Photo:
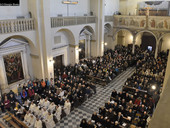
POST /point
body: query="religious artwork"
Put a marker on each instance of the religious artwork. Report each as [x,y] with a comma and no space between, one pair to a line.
[165,24]
[142,23]
[153,23]
[13,67]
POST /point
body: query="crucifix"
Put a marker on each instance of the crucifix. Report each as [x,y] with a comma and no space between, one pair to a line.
[147,10]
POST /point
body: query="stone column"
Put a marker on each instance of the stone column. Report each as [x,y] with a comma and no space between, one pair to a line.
[97,7]
[134,42]
[161,116]
[24,64]
[157,47]
[88,46]
[3,79]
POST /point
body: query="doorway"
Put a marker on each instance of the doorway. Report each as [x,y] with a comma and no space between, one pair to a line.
[58,63]
[82,49]
[148,42]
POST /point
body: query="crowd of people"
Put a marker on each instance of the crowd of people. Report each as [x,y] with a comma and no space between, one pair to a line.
[45,102]
[134,105]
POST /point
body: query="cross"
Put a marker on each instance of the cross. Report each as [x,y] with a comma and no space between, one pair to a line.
[147,10]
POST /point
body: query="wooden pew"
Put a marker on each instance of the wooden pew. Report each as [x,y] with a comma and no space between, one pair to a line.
[103,81]
[1,125]
[19,122]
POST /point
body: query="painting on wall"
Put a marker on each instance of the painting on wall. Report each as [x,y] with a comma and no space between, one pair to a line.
[13,67]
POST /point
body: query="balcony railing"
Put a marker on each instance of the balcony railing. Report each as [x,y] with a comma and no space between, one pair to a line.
[142,22]
[67,21]
[16,25]
[108,18]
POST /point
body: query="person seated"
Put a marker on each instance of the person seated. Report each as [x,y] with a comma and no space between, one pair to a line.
[95,117]
[26,105]
[1,105]
[119,118]
[130,104]
[90,125]
[129,116]
[36,98]
[31,93]
[38,123]
[83,123]
[24,95]
[19,89]
[7,104]
[12,100]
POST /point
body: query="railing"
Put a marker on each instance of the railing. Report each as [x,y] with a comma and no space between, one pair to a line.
[142,22]
[108,18]
[16,25]
[67,21]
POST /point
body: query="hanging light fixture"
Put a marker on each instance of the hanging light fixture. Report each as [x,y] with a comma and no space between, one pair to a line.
[70,2]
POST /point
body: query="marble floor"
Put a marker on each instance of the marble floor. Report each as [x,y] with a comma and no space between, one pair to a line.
[93,103]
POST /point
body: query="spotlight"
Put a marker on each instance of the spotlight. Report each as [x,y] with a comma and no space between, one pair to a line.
[105,44]
[153,87]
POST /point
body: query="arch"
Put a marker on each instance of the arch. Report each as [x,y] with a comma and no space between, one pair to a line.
[123,37]
[161,42]
[69,34]
[90,29]
[121,30]
[107,28]
[151,41]
[146,31]
[21,37]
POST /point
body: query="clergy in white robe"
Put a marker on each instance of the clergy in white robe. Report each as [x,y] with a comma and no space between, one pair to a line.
[49,122]
[46,103]
[67,107]
[31,121]
[58,112]
[37,110]
[44,113]
[41,103]
[32,107]
[51,107]
[38,123]
[27,118]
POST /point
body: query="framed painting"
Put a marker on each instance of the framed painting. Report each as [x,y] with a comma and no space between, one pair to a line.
[13,67]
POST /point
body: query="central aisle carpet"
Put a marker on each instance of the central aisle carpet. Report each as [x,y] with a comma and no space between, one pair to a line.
[93,103]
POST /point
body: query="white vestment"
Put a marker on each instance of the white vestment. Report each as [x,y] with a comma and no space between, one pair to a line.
[38,124]
[58,113]
[49,121]
[46,104]
[67,107]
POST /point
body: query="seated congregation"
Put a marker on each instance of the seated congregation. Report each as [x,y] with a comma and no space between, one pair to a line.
[42,103]
[135,104]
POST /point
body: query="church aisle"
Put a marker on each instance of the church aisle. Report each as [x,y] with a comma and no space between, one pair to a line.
[93,103]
